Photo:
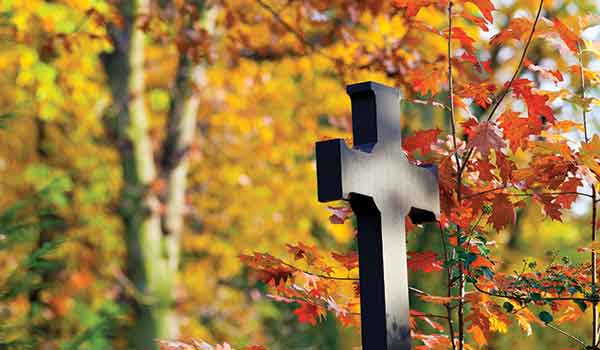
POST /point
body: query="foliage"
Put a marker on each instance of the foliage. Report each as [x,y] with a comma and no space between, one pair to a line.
[513,140]
[514,145]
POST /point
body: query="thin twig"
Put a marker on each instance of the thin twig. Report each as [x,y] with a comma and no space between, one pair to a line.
[292,30]
[449,286]
[519,66]
[509,85]
[451,88]
[320,275]
[522,300]
[352,279]
[572,337]
[595,338]
[557,193]
[461,273]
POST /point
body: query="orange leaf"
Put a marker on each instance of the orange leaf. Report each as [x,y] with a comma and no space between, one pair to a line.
[424,261]
[481,261]
[567,35]
[516,29]
[421,140]
[503,212]
[349,261]
[307,313]
[486,7]
[477,334]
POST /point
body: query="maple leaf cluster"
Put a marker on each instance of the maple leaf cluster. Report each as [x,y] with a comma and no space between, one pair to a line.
[507,148]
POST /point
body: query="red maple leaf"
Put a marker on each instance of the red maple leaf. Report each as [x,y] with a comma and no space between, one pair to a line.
[424,261]
[516,29]
[554,75]
[479,92]
[307,313]
[421,140]
[339,215]
[485,138]
[478,21]
[465,40]
[570,186]
[349,260]
[567,35]
[515,129]
[536,103]
[551,207]
[503,212]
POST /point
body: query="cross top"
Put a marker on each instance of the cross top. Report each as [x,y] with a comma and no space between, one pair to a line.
[385,128]
[382,187]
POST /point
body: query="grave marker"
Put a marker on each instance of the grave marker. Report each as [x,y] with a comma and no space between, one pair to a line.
[382,187]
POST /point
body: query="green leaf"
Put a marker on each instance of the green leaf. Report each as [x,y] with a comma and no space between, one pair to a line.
[546,317]
[582,305]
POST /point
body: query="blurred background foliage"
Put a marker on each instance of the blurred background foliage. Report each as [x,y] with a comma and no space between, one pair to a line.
[271,84]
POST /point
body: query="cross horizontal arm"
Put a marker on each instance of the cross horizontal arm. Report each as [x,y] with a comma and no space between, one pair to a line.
[329,170]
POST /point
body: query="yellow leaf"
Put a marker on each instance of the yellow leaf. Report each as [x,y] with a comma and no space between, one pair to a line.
[477,335]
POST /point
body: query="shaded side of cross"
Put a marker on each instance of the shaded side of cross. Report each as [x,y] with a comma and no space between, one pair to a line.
[382,187]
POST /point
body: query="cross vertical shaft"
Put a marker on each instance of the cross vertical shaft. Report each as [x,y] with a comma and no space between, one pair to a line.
[382,187]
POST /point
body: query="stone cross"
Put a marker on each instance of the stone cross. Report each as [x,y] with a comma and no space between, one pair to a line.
[382,187]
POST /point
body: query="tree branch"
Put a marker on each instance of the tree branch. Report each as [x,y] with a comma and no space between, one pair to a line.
[448,286]
[519,66]
[572,337]
[509,85]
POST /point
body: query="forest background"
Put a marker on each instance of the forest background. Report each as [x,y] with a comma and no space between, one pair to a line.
[148,148]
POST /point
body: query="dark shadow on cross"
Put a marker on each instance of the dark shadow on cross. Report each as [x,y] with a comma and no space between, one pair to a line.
[382,187]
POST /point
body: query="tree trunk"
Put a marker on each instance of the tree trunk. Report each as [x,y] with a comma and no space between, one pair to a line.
[153,242]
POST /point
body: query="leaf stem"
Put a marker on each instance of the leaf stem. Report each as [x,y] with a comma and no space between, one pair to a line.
[595,338]
[519,66]
[449,286]
[572,337]
[509,85]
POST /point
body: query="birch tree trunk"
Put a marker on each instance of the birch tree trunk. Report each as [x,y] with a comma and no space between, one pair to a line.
[153,242]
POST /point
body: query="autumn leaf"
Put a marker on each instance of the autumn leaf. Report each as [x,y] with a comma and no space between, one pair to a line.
[569,188]
[436,299]
[477,334]
[307,313]
[589,155]
[503,212]
[554,75]
[429,78]
[481,261]
[422,140]
[339,215]
[485,138]
[423,316]
[424,261]
[592,247]
[567,35]
[465,40]
[349,260]
[482,23]
[268,268]
[517,29]
[486,7]
[480,93]
[536,103]
[413,6]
